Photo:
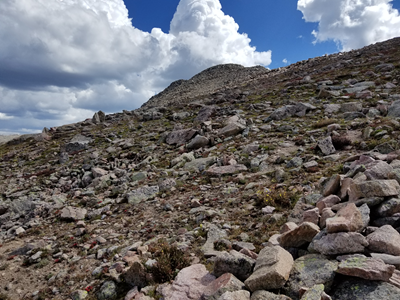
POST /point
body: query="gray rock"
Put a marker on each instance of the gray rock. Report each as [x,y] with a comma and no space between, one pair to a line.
[295,162]
[136,275]
[214,234]
[326,146]
[394,109]
[388,259]
[351,107]
[384,67]
[78,143]
[142,194]
[99,117]
[272,269]
[198,142]
[231,129]
[166,184]
[385,240]
[373,188]
[388,208]
[70,213]
[338,243]
[378,170]
[108,291]
[180,137]
[205,114]
[236,263]
[79,295]
[226,170]
[360,289]
[199,164]
[308,271]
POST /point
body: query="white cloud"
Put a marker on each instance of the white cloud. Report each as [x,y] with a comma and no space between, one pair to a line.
[352,23]
[64,59]
[285,61]
[3,116]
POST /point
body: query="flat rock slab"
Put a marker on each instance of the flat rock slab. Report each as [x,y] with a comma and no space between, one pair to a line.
[225,170]
[180,137]
[272,269]
[339,243]
[365,267]
[299,236]
[308,271]
[190,283]
[225,283]
[142,194]
[373,188]
[361,289]
[385,239]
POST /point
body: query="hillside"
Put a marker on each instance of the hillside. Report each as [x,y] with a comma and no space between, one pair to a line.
[240,183]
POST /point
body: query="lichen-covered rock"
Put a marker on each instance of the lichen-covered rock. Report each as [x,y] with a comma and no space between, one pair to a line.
[360,289]
[308,271]
[365,267]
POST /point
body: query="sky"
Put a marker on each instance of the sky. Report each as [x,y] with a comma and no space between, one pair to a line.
[63,60]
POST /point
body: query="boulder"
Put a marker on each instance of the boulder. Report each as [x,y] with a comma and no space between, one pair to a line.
[308,271]
[338,243]
[231,129]
[373,188]
[385,239]
[142,194]
[198,142]
[180,137]
[361,289]
[394,109]
[236,263]
[225,283]
[299,236]
[347,219]
[364,267]
[272,269]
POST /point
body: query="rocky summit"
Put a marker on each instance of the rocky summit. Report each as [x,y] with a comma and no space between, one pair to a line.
[240,183]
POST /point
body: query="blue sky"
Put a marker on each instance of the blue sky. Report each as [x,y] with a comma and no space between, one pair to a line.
[63,60]
[270,24]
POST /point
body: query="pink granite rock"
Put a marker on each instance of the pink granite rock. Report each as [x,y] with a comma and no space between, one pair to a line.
[373,188]
[299,236]
[190,283]
[347,219]
[311,215]
[365,267]
[328,201]
[385,239]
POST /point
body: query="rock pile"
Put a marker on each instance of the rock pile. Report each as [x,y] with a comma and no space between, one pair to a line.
[280,184]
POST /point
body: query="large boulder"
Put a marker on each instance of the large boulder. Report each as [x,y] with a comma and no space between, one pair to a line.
[361,289]
[338,243]
[272,269]
[308,271]
[180,137]
[385,239]
[373,188]
[365,267]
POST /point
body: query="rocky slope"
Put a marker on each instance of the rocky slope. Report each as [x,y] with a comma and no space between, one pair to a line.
[241,183]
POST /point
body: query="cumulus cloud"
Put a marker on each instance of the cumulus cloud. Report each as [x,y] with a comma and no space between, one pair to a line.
[64,59]
[352,24]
